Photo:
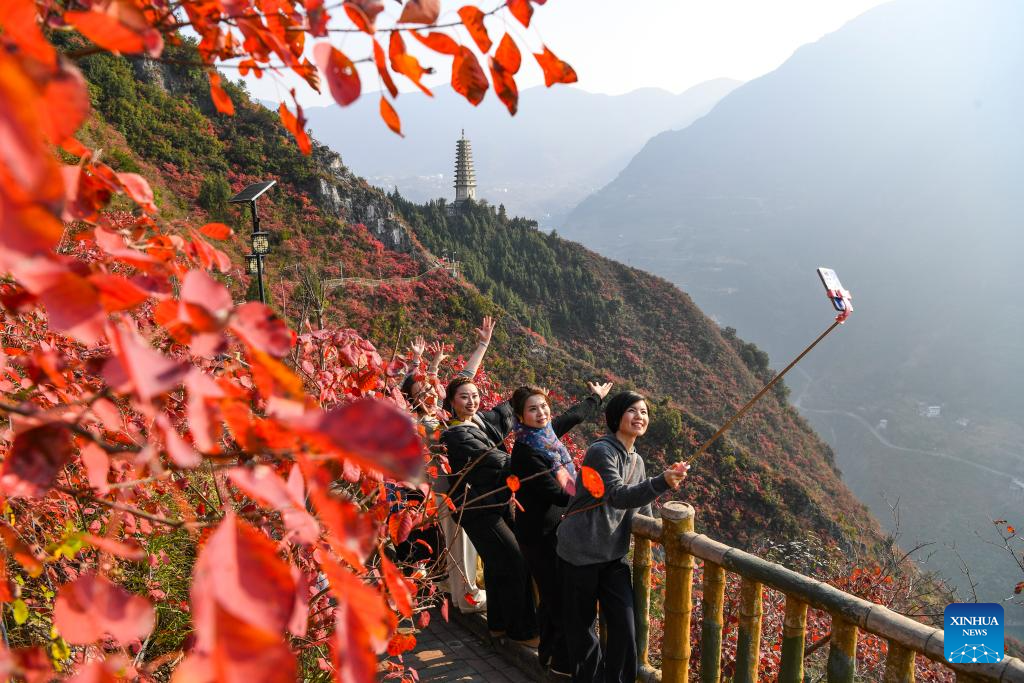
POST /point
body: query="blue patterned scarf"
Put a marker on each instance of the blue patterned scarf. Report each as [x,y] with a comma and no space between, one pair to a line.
[544,441]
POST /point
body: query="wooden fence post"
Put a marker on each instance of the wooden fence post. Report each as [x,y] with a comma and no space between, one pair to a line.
[676,518]
[899,664]
[842,651]
[794,633]
[748,640]
[642,598]
[713,623]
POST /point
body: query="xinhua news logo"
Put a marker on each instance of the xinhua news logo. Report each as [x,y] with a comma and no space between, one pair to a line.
[973,633]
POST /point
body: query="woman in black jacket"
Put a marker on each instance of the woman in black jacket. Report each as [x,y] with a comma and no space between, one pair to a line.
[479,464]
[547,482]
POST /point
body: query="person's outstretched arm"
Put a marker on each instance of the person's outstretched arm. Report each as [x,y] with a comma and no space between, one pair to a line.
[483,334]
[583,410]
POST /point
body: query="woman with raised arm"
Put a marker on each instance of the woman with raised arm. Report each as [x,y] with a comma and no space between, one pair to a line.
[479,463]
[593,540]
[547,478]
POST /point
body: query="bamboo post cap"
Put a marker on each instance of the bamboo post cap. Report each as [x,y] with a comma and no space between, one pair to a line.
[675,511]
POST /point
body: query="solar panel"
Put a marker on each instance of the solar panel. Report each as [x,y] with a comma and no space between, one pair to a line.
[252,192]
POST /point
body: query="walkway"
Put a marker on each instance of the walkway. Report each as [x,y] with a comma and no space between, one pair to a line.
[457,651]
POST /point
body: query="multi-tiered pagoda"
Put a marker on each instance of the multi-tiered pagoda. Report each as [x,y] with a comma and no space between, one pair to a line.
[465,176]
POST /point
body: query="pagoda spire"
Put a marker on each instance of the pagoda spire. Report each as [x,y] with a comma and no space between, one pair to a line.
[465,176]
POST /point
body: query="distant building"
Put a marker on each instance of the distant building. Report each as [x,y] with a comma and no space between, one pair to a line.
[963,422]
[883,424]
[465,176]
[933,411]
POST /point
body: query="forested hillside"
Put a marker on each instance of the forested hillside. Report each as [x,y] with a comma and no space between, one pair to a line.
[566,314]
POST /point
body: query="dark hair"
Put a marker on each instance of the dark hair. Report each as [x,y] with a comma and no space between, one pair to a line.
[449,391]
[406,387]
[520,396]
[618,406]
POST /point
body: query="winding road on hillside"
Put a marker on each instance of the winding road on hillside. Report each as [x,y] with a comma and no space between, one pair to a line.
[798,404]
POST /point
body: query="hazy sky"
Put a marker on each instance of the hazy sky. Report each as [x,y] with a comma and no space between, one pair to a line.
[617,45]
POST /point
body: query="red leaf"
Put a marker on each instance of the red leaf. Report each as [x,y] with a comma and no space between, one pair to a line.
[178,450]
[220,98]
[363,13]
[216,231]
[400,525]
[97,467]
[508,55]
[117,293]
[424,619]
[129,551]
[401,642]
[382,69]
[420,12]
[555,70]
[505,87]
[1010,530]
[521,10]
[1018,588]
[260,328]
[592,481]
[137,187]
[513,483]
[36,458]
[341,73]
[239,571]
[470,600]
[390,116]
[296,125]
[72,303]
[365,603]
[246,652]
[23,554]
[373,432]
[211,298]
[119,26]
[137,366]
[438,42]
[317,16]
[468,78]
[91,606]
[66,98]
[398,586]
[265,486]
[473,20]
[18,17]
[406,64]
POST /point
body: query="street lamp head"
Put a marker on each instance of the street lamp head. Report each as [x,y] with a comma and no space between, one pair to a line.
[252,264]
[261,242]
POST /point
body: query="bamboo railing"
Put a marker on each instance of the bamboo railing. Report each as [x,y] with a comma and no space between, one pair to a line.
[905,637]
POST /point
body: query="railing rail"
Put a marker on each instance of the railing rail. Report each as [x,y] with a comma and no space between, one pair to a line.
[905,637]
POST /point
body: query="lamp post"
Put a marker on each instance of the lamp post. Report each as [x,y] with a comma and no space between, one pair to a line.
[260,238]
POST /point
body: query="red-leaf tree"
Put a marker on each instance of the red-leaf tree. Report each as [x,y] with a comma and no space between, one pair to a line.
[172,461]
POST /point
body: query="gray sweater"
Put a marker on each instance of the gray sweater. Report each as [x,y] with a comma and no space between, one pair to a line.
[598,530]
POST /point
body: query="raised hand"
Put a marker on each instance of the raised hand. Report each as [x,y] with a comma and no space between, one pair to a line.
[675,474]
[436,350]
[600,389]
[418,346]
[484,332]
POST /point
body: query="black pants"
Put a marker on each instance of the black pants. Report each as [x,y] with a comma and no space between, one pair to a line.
[585,586]
[543,562]
[509,592]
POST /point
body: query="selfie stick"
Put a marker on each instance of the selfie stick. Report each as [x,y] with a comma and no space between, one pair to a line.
[841,300]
